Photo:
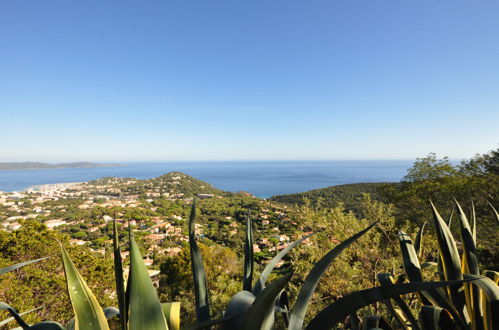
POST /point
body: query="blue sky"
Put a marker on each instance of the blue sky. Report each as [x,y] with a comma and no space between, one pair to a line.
[260,79]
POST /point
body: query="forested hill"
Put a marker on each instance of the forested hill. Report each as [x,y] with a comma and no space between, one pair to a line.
[168,184]
[348,194]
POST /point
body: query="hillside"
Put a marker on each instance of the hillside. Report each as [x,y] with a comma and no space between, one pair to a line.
[170,184]
[348,194]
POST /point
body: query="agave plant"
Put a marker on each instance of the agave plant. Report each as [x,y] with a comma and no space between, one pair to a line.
[255,306]
[139,306]
[473,304]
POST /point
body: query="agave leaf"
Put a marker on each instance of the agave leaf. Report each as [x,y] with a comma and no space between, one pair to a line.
[88,313]
[145,310]
[470,266]
[449,223]
[282,304]
[172,314]
[493,275]
[376,322]
[301,304]
[19,265]
[248,255]
[418,242]
[495,212]
[239,304]
[386,279]
[200,287]
[109,312]
[411,263]
[450,260]
[118,276]
[429,264]
[489,299]
[10,319]
[47,325]
[261,314]
[473,222]
[260,284]
[435,318]
[15,315]
[337,311]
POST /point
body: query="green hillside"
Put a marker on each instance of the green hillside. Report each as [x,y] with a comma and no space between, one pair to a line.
[350,195]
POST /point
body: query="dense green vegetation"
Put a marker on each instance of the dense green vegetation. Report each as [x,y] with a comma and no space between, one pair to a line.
[448,250]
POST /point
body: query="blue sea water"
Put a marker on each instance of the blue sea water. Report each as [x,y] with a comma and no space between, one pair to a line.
[260,178]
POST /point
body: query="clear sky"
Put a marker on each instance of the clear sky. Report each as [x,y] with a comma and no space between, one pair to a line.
[250,79]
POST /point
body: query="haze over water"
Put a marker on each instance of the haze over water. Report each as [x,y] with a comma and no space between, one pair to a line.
[260,178]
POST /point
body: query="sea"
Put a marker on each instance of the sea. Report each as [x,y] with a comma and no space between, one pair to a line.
[260,178]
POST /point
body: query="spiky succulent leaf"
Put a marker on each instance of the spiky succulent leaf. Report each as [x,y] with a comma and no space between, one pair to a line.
[470,266]
[297,315]
[47,325]
[372,322]
[261,314]
[489,293]
[451,262]
[260,284]
[419,240]
[145,310]
[118,276]
[337,311]
[248,255]
[404,314]
[172,314]
[10,319]
[495,212]
[239,304]
[435,318]
[19,265]
[88,313]
[14,313]
[200,287]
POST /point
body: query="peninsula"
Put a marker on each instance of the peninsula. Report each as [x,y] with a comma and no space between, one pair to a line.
[46,166]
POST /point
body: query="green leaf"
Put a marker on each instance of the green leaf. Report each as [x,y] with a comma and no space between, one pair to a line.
[19,265]
[343,307]
[145,308]
[495,212]
[451,262]
[418,242]
[171,311]
[473,222]
[200,287]
[10,319]
[118,276]
[489,300]
[386,279]
[109,312]
[435,318]
[261,314]
[470,266]
[15,315]
[301,304]
[88,313]
[260,284]
[372,322]
[248,255]
[47,325]
[239,304]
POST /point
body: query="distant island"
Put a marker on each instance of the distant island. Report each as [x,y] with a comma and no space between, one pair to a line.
[46,166]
